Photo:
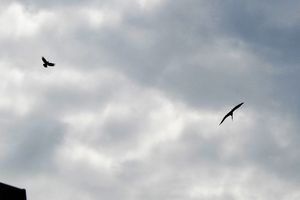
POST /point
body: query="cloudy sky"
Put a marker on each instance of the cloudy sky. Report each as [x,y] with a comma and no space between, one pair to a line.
[132,108]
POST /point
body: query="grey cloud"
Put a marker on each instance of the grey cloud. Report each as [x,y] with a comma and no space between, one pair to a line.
[37,4]
[158,49]
[205,55]
[269,27]
[30,143]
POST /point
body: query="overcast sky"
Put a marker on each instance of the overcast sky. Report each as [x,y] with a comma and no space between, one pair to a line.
[132,108]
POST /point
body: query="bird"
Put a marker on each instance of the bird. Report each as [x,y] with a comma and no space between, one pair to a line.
[231,112]
[47,63]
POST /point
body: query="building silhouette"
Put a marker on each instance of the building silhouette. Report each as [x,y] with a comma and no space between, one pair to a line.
[8,192]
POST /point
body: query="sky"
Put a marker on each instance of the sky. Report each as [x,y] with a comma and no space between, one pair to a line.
[132,108]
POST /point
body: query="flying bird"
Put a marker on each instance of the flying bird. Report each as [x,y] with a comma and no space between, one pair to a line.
[231,113]
[46,63]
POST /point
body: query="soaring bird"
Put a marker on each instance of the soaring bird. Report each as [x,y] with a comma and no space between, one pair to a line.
[231,112]
[47,63]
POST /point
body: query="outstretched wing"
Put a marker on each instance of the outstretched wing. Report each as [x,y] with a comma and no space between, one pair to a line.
[44,60]
[50,64]
[236,107]
[228,114]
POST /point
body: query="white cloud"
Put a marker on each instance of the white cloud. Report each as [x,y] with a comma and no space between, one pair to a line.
[150,4]
[18,22]
[102,17]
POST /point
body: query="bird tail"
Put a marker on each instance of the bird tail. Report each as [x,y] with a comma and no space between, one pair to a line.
[45,65]
[232,116]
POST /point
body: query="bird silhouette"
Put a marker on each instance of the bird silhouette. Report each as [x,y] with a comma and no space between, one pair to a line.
[47,63]
[231,113]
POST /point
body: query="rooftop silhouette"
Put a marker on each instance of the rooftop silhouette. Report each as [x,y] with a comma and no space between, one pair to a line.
[8,192]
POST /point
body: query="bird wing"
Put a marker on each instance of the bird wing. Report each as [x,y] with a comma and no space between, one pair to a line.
[237,106]
[50,64]
[44,60]
[228,114]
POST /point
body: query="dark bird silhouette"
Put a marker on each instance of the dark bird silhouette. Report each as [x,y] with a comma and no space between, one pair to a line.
[231,112]
[46,63]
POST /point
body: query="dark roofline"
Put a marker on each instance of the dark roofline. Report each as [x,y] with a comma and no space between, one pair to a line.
[6,185]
